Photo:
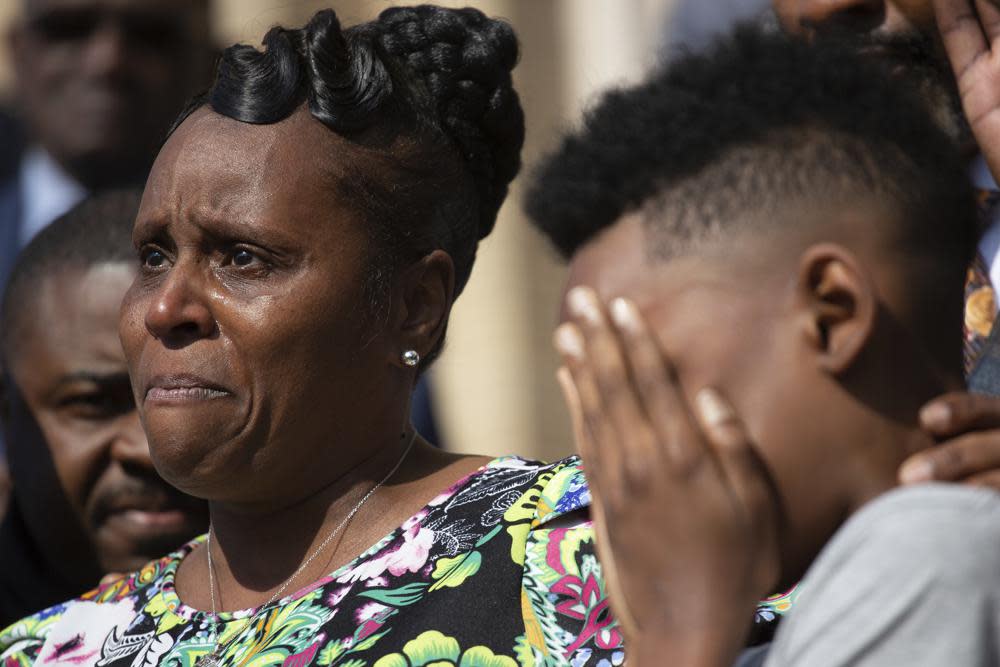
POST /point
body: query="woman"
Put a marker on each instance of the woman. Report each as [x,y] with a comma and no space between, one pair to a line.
[302,236]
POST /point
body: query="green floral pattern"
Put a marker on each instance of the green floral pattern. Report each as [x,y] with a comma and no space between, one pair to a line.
[484,576]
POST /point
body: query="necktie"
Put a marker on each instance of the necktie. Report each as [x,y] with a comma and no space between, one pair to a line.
[980,299]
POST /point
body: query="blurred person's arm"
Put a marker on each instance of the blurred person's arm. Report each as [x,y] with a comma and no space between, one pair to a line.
[970,31]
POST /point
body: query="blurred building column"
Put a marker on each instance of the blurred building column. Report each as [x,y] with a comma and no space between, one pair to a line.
[495,383]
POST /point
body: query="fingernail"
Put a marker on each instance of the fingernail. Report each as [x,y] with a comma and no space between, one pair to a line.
[935,415]
[583,303]
[713,408]
[568,341]
[625,314]
[916,471]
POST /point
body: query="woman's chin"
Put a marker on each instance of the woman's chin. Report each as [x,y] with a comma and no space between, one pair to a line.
[194,456]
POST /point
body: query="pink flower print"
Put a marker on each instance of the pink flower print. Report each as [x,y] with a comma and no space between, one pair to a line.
[370,611]
[585,602]
[409,556]
[377,582]
[370,618]
[414,521]
[412,554]
[302,659]
[78,637]
[335,596]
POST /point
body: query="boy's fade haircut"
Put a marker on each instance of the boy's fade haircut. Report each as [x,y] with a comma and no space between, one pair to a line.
[727,139]
[98,230]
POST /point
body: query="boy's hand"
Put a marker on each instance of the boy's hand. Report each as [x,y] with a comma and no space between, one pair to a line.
[970,30]
[685,515]
[968,426]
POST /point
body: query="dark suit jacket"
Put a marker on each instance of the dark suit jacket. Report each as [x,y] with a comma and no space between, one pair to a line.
[9,214]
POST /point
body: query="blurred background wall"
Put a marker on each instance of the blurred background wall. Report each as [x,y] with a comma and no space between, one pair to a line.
[494,386]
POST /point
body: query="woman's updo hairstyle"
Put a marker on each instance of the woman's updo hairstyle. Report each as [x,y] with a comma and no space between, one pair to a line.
[424,97]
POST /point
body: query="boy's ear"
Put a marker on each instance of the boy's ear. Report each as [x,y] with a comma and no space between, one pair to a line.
[840,305]
[426,291]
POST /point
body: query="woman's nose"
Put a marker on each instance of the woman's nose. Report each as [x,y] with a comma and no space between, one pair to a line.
[179,313]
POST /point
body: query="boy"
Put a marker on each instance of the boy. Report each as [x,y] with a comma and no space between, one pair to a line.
[772,213]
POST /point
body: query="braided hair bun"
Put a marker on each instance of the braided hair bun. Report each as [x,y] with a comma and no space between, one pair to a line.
[423,94]
[465,60]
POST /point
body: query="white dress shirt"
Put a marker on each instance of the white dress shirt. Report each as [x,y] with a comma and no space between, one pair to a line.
[46,193]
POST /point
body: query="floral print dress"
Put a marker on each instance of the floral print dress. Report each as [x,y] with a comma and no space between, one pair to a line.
[498,570]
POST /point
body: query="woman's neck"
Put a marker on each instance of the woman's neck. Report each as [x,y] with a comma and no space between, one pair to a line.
[255,553]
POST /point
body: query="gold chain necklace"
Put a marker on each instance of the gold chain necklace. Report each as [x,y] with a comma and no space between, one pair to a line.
[214,657]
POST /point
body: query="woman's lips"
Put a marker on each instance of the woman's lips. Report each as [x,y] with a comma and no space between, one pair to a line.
[183,394]
[182,388]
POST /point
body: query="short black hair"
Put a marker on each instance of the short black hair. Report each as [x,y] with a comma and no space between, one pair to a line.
[759,121]
[425,96]
[98,230]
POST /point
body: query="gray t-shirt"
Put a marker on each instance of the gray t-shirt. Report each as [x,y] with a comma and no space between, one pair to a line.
[912,579]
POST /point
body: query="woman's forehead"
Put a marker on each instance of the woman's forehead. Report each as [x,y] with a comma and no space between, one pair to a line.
[225,168]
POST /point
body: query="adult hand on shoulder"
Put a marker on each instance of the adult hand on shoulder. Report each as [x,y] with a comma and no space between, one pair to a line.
[685,515]
[970,30]
[968,428]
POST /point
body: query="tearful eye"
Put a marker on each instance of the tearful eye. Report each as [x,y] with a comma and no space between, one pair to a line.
[153,258]
[243,258]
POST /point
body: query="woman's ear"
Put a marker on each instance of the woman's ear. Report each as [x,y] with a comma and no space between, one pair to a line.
[839,304]
[426,290]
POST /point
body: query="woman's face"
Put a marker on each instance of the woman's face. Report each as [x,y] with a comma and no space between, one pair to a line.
[246,331]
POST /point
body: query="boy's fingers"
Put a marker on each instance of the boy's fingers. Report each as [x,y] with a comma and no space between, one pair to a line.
[609,567]
[672,434]
[960,412]
[606,358]
[747,478]
[572,399]
[586,398]
[745,473]
[593,461]
[595,469]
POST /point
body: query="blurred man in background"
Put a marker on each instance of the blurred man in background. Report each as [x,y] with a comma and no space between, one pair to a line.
[98,83]
[87,500]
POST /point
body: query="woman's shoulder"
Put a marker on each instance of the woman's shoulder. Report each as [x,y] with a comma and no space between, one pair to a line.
[546,490]
[71,627]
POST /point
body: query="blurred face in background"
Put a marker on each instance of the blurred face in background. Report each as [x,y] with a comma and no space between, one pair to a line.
[100,81]
[900,33]
[76,446]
